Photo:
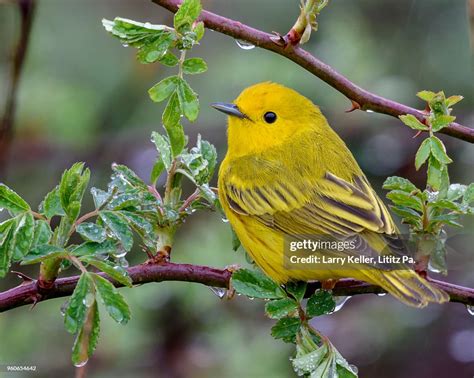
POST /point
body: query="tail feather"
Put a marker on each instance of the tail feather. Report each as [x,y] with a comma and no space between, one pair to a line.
[408,287]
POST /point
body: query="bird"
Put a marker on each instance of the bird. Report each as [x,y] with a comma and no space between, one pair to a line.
[288,175]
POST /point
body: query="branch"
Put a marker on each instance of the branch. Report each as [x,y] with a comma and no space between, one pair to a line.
[363,98]
[27,10]
[29,291]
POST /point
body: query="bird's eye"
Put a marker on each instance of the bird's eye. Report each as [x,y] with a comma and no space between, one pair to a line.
[270,117]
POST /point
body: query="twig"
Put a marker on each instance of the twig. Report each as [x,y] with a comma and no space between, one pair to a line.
[27,10]
[30,292]
[365,99]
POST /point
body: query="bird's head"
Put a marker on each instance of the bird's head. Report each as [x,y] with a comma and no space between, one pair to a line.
[266,115]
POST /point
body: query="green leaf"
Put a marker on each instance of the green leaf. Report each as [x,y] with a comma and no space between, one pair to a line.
[439,151]
[157,170]
[235,240]
[114,302]
[441,121]
[279,308]
[409,216]
[72,187]
[320,303]
[445,205]
[119,228]
[199,30]
[87,338]
[452,100]
[171,117]
[255,284]
[399,183]
[161,91]
[42,234]
[91,232]
[468,197]
[412,122]
[209,153]
[163,148]
[23,236]
[194,66]
[423,153]
[138,222]
[43,252]
[426,95]
[172,112]
[52,204]
[92,248]
[6,240]
[116,273]
[130,178]
[405,199]
[100,197]
[434,173]
[169,59]
[12,201]
[155,49]
[297,289]
[76,311]
[188,100]
[187,13]
[286,329]
[455,191]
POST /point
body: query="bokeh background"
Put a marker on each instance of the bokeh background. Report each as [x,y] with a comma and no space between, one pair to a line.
[83,97]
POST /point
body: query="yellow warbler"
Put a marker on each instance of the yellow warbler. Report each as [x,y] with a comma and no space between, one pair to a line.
[288,174]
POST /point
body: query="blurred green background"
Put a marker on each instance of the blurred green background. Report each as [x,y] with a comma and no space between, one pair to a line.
[84,97]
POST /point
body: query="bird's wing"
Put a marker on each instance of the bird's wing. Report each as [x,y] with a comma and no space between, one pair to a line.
[326,206]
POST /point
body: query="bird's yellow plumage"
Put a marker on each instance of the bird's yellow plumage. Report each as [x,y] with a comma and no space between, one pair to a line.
[288,173]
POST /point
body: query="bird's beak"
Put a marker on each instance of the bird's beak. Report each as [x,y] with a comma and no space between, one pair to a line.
[230,109]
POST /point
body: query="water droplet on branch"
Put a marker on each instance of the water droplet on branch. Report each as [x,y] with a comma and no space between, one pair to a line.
[244,45]
[219,291]
[470,309]
[340,302]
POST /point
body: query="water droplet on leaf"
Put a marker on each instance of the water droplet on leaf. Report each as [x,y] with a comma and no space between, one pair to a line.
[89,300]
[225,220]
[244,45]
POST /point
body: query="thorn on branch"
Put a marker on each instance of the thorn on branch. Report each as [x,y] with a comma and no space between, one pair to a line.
[25,279]
[354,106]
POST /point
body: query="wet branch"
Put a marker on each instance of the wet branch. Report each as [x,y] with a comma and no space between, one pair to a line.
[27,11]
[361,98]
[29,291]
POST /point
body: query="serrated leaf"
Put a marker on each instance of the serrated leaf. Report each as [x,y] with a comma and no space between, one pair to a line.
[401,198]
[413,122]
[91,232]
[23,236]
[161,91]
[320,303]
[155,49]
[468,197]
[119,228]
[426,95]
[114,302]
[445,204]
[42,233]
[255,284]
[439,151]
[11,201]
[129,177]
[174,129]
[100,197]
[169,59]
[156,171]
[43,252]
[187,13]
[434,173]
[279,308]
[163,148]
[286,329]
[297,289]
[52,204]
[76,310]
[73,184]
[452,100]
[138,222]
[188,100]
[116,272]
[199,30]
[455,191]
[194,66]
[409,215]
[6,239]
[441,121]
[87,338]
[399,183]
[307,363]
[92,248]
[423,153]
